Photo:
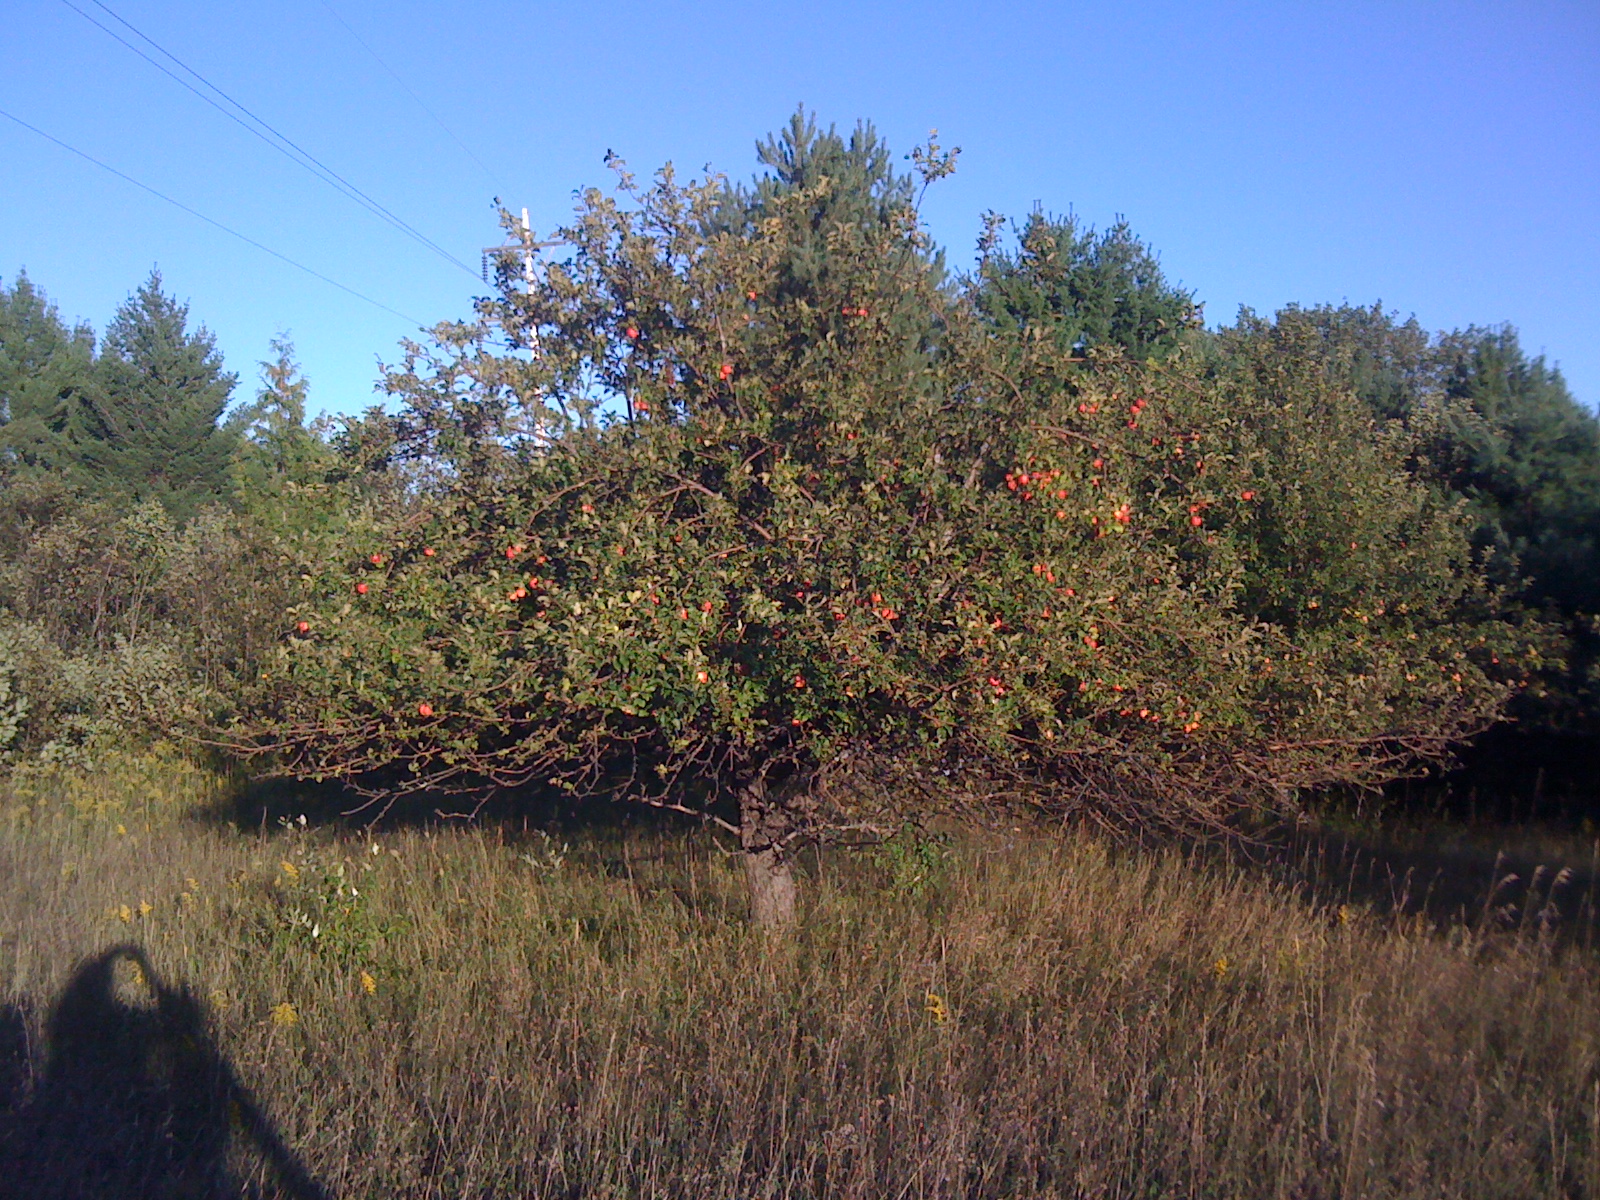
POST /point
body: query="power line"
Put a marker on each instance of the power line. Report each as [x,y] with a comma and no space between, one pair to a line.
[208,220]
[283,144]
[406,87]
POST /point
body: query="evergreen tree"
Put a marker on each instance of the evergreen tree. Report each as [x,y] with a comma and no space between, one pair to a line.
[1085,289]
[275,443]
[152,429]
[280,459]
[45,375]
[847,190]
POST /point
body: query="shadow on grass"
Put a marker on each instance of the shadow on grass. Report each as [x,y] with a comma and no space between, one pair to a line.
[1482,882]
[515,815]
[133,1100]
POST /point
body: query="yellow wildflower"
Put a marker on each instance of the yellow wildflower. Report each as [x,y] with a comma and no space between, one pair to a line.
[145,908]
[284,1014]
[289,869]
[1220,967]
[124,912]
[369,985]
[936,1007]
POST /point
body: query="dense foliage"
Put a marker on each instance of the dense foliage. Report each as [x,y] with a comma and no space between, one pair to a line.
[740,503]
[1500,431]
[1083,290]
[845,523]
[138,586]
[142,420]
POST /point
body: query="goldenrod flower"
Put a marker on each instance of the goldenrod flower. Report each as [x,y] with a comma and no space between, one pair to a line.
[1220,967]
[936,1007]
[284,1014]
[289,869]
[369,985]
[145,908]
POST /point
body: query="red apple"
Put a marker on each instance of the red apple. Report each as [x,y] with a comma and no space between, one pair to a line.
[361,589]
[424,710]
[303,627]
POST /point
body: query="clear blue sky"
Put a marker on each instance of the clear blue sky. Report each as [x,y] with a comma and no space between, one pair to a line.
[1443,158]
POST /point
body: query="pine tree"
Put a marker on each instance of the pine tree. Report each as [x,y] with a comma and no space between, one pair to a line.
[152,431]
[1084,289]
[850,190]
[46,373]
[277,453]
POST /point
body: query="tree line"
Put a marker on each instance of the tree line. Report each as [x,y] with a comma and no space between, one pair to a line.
[748,505]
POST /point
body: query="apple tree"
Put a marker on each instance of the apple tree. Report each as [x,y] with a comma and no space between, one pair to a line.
[807,551]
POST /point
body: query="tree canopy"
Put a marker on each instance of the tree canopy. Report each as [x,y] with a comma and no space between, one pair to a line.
[847,524]
[46,376]
[738,503]
[152,428]
[1497,430]
[1085,290]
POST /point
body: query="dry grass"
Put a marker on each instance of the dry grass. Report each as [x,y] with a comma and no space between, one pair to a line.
[1050,1017]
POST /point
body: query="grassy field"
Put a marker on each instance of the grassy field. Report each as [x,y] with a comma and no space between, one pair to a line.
[474,1011]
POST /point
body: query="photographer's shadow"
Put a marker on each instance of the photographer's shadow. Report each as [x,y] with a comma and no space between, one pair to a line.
[133,1100]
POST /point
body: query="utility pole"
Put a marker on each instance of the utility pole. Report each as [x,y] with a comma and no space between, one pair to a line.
[529,247]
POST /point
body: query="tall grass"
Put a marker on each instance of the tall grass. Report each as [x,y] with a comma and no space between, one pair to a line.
[464,1011]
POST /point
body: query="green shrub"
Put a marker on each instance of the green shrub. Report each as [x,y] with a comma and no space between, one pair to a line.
[118,626]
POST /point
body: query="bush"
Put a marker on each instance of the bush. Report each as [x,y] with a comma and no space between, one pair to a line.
[119,625]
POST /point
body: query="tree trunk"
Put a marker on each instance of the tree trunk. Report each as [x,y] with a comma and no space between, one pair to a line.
[764,827]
